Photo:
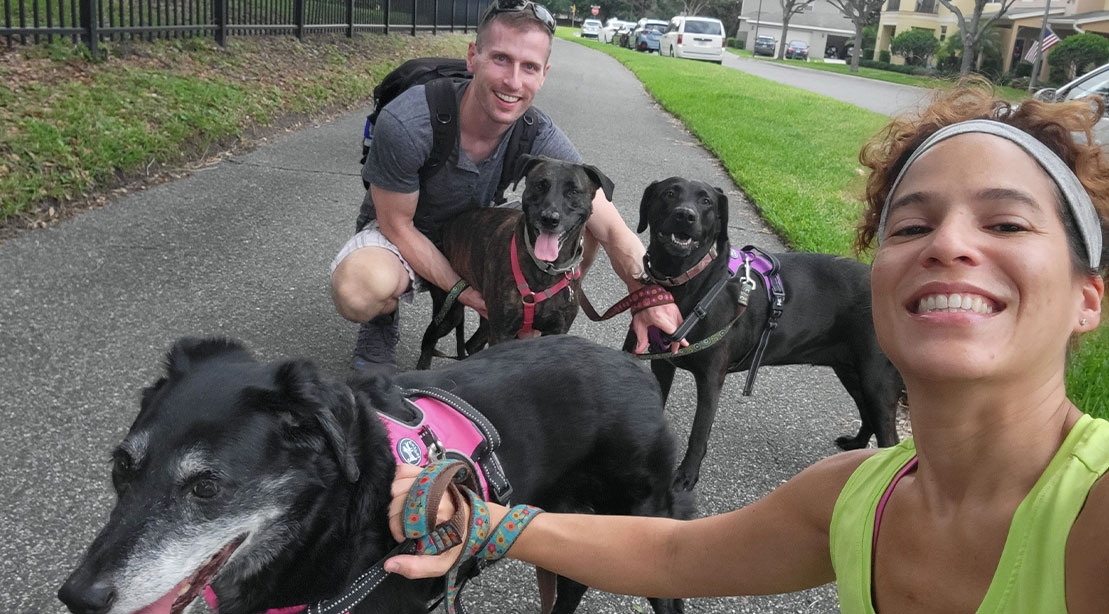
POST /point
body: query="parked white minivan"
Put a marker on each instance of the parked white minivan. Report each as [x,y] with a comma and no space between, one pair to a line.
[696,38]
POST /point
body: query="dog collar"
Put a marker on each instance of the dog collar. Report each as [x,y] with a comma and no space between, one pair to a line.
[684,277]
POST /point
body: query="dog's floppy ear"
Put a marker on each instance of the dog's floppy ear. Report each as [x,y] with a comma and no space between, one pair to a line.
[599,179]
[645,205]
[523,166]
[722,216]
[189,351]
[305,399]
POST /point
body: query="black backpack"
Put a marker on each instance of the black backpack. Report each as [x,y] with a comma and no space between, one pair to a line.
[439,76]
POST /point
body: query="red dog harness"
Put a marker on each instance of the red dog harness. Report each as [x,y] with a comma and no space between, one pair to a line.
[530,297]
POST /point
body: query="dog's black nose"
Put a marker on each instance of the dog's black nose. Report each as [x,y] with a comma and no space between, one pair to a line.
[81,598]
[684,215]
[550,218]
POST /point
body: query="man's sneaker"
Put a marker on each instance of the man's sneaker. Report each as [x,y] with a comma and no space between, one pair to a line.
[376,348]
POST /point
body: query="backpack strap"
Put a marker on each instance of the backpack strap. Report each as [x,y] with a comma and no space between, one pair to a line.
[442,104]
[521,141]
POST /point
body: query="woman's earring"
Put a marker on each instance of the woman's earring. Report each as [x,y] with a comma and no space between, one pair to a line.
[1082,322]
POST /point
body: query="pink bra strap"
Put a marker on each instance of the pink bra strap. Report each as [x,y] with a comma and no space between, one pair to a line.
[909,466]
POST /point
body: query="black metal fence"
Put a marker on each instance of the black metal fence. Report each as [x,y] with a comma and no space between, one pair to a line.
[92,21]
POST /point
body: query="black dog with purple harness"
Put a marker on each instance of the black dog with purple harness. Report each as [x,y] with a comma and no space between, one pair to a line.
[800,308]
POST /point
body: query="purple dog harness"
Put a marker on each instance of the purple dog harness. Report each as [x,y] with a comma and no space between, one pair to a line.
[748,262]
[445,427]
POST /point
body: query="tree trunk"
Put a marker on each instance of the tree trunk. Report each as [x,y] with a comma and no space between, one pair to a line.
[785,31]
[968,55]
[858,51]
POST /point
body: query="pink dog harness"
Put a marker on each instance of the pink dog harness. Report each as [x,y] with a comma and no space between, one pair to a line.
[443,427]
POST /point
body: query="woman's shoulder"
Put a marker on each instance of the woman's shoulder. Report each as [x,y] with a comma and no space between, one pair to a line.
[1088,553]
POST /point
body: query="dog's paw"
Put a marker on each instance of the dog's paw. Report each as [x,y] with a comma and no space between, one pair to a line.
[850,443]
[685,479]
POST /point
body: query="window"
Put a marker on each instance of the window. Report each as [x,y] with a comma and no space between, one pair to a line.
[926,6]
[894,5]
[943,33]
[703,27]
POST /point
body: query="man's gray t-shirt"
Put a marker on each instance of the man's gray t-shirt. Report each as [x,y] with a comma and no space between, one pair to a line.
[402,141]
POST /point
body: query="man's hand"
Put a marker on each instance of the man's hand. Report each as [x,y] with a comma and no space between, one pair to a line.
[666,318]
[472,298]
[415,566]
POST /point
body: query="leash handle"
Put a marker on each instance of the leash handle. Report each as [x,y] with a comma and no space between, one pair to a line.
[452,296]
[481,541]
[643,298]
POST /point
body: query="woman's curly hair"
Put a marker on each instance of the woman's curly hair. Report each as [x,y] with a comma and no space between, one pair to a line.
[1051,122]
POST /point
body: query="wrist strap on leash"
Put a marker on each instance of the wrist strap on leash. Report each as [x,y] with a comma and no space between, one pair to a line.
[448,302]
[643,298]
[469,525]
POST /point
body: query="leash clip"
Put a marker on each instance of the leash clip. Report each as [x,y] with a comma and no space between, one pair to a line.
[747,283]
[435,449]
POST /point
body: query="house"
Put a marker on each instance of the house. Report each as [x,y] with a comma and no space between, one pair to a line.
[821,25]
[1019,27]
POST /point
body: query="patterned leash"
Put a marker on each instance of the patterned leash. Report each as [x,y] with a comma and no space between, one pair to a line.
[481,541]
[646,296]
[448,302]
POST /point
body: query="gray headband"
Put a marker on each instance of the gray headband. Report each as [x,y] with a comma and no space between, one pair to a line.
[1075,195]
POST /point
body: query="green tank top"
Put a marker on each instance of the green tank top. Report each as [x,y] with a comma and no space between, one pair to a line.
[1030,575]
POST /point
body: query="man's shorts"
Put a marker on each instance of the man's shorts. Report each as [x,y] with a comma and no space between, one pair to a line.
[371,236]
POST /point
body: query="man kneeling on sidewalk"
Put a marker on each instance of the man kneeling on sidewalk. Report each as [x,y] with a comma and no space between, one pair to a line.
[394,255]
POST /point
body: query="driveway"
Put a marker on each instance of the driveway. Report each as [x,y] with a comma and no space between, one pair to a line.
[241,249]
[878,96]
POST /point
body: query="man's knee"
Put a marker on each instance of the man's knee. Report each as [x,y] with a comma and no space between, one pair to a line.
[367,283]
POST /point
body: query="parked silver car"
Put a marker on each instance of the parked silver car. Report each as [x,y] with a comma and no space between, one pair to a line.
[1093,83]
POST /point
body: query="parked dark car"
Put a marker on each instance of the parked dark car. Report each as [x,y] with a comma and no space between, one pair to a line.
[797,50]
[765,45]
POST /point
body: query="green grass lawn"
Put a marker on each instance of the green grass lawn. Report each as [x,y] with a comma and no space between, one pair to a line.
[796,156]
[68,127]
[1008,93]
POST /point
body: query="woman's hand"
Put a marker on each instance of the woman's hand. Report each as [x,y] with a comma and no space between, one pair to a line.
[415,566]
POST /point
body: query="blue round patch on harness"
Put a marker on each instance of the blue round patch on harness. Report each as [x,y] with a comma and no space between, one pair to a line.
[409,451]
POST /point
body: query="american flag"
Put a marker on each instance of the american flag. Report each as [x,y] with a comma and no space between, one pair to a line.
[1050,40]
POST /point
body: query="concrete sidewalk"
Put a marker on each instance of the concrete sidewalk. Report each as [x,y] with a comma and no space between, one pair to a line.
[241,249]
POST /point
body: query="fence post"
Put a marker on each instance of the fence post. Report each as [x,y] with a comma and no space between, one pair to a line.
[435,19]
[298,18]
[414,11]
[454,11]
[466,19]
[350,18]
[89,21]
[219,14]
[388,5]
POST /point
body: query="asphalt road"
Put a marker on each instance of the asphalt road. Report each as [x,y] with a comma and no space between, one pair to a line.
[878,96]
[241,248]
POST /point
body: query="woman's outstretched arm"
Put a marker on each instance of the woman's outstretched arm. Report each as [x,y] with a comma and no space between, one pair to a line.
[777,544]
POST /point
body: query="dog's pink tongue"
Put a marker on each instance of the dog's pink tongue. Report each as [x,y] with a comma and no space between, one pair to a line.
[546,247]
[165,604]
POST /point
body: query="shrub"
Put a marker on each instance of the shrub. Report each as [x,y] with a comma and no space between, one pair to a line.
[883,56]
[1078,55]
[916,46]
[1023,69]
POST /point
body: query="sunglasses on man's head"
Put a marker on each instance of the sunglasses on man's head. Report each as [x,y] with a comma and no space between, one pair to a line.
[514,6]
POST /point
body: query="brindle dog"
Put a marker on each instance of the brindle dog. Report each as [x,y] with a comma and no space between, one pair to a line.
[557,202]
[826,319]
